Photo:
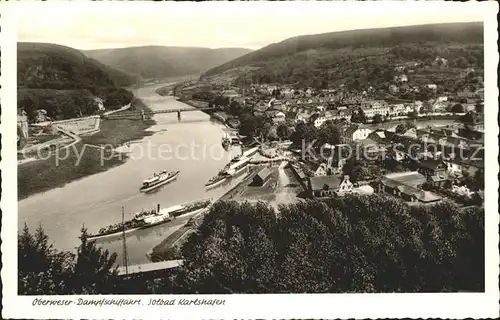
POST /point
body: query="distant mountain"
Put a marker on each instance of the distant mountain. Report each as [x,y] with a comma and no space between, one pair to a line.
[357,55]
[65,83]
[162,62]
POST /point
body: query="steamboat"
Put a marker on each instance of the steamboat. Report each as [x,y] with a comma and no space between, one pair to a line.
[238,167]
[217,180]
[159,180]
[148,219]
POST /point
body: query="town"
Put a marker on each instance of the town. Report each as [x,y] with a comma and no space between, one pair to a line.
[421,150]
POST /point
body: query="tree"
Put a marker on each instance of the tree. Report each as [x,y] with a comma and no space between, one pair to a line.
[479,107]
[377,118]
[304,133]
[252,126]
[469,118]
[358,116]
[329,133]
[426,107]
[43,270]
[336,245]
[457,108]
[283,131]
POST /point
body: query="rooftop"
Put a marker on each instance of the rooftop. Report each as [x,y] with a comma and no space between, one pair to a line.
[317,183]
[410,178]
[264,173]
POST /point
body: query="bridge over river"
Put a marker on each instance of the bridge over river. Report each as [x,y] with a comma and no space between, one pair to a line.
[144,114]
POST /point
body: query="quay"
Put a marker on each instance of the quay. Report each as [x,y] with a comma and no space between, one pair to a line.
[149,268]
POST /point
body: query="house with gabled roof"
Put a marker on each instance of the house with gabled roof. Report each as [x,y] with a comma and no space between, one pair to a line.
[407,186]
[328,186]
[353,133]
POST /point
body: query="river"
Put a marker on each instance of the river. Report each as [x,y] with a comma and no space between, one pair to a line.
[191,145]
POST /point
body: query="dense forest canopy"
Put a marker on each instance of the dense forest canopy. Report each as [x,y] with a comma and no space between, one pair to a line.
[361,57]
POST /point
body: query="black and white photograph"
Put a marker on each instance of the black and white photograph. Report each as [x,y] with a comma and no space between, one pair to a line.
[183,154]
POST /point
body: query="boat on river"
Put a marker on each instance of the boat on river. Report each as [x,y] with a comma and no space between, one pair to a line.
[217,180]
[159,180]
[250,152]
[236,168]
[191,207]
[245,154]
[148,219]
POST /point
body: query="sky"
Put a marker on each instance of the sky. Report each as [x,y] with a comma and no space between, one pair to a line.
[99,25]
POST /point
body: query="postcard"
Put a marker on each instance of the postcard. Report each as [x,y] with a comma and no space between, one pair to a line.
[228,160]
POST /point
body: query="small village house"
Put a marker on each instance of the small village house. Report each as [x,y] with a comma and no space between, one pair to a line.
[354,133]
[321,170]
[434,171]
[262,177]
[328,186]
[407,186]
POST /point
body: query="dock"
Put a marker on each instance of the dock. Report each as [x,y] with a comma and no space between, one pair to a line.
[148,268]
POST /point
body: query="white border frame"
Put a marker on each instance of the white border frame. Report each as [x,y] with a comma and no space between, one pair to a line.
[453,305]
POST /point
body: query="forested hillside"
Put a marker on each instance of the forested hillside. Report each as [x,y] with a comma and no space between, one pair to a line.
[361,57]
[161,62]
[64,82]
[354,244]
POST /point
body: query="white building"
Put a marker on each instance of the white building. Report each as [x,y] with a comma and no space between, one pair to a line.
[376,107]
[355,133]
[397,110]
[100,103]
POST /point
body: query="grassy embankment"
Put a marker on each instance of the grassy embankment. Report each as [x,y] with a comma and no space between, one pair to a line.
[43,175]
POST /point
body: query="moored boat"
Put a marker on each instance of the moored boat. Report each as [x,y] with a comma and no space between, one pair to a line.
[215,181]
[250,152]
[238,167]
[158,180]
[148,219]
[191,207]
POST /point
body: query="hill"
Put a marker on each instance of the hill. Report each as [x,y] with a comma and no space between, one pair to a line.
[64,82]
[162,62]
[362,56]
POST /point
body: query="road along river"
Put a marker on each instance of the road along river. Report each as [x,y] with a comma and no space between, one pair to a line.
[191,146]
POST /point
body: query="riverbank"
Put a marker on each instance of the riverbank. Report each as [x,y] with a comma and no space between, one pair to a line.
[79,161]
[177,238]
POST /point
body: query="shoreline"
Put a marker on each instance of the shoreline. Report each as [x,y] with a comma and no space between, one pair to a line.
[43,175]
[192,224]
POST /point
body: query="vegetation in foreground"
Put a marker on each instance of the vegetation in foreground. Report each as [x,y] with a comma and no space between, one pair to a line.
[45,270]
[355,244]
